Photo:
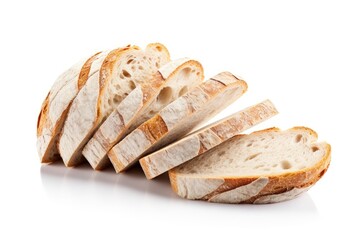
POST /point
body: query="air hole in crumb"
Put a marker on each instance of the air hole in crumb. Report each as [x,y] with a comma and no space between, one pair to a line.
[314,148]
[183,90]
[121,76]
[132,85]
[186,71]
[252,156]
[129,61]
[152,112]
[285,164]
[274,165]
[165,95]
[298,138]
[117,87]
[259,166]
[198,74]
[159,48]
[266,169]
[126,73]
[117,99]
[141,67]
[249,145]
[266,147]
[221,153]
[157,65]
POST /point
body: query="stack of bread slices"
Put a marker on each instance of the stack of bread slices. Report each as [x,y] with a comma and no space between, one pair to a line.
[132,105]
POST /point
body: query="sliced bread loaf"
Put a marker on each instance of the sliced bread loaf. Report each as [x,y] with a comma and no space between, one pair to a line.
[263,167]
[122,70]
[57,103]
[178,118]
[204,139]
[170,82]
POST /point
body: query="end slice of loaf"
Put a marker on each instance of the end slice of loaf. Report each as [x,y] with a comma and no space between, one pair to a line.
[121,72]
[170,82]
[56,106]
[267,166]
[204,139]
[177,119]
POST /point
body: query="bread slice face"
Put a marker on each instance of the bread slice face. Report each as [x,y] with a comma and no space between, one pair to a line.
[56,106]
[121,72]
[267,166]
[167,84]
[204,139]
[177,119]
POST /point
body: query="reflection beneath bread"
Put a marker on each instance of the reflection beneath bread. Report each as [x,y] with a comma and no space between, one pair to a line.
[84,182]
[84,185]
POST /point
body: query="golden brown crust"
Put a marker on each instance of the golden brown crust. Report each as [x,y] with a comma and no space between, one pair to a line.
[85,70]
[277,183]
[173,181]
[145,170]
[154,129]
[42,118]
[117,164]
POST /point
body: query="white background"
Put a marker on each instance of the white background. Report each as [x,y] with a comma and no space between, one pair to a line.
[303,55]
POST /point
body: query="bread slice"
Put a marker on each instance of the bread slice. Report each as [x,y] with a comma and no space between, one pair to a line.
[267,166]
[170,82]
[57,103]
[177,119]
[204,139]
[122,70]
